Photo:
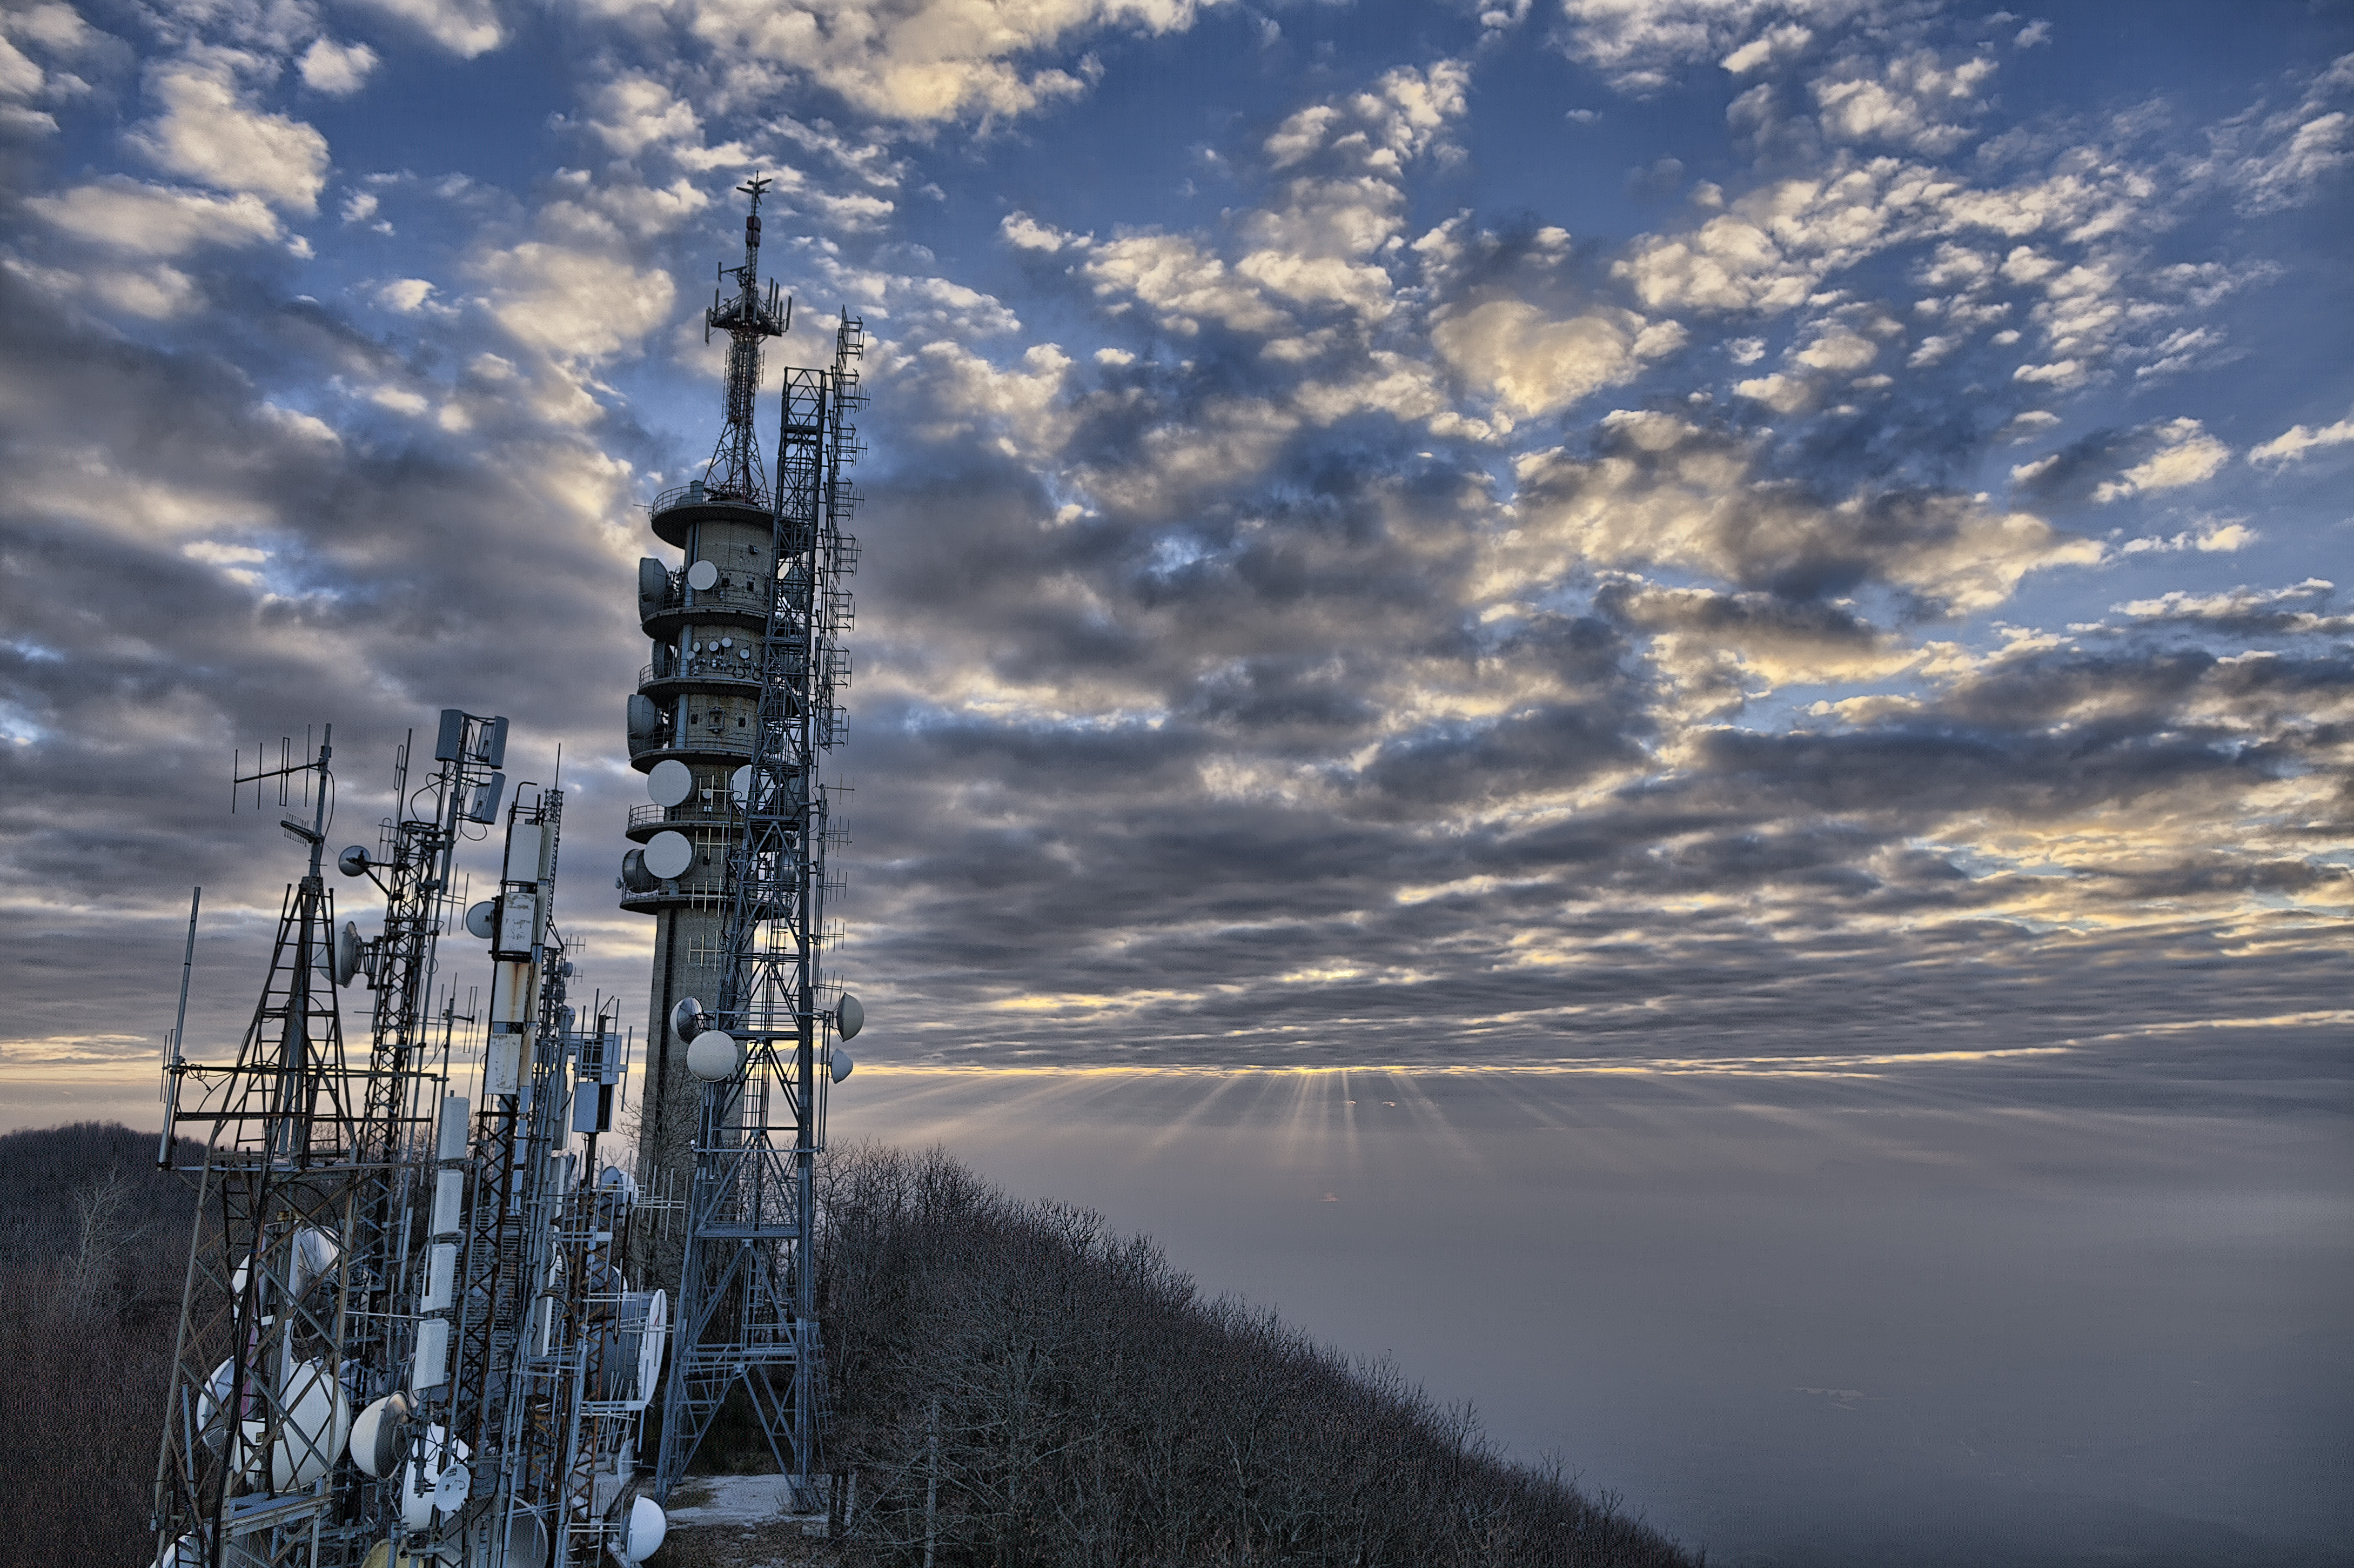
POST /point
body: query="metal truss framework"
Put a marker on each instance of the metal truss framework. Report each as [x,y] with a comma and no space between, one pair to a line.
[310,1284]
[288,1314]
[747,1297]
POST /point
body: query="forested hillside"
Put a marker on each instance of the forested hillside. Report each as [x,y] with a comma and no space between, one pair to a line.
[1013,1383]
[1010,1384]
[93,1250]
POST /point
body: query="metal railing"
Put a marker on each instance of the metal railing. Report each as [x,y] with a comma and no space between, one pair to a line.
[692,812]
[731,600]
[741,673]
[694,493]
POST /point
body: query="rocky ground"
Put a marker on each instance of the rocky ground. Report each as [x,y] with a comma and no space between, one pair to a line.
[738,1522]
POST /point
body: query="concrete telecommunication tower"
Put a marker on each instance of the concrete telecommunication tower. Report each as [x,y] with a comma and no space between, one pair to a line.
[728,724]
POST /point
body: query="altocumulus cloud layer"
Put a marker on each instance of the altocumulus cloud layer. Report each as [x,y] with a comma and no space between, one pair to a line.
[1623,529]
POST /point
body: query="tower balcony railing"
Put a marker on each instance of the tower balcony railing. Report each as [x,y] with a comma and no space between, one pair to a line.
[737,595]
[692,813]
[700,741]
[730,672]
[695,493]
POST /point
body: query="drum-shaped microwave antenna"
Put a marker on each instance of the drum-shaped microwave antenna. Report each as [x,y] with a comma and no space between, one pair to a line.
[482,920]
[671,782]
[701,576]
[634,874]
[668,854]
[739,784]
[714,1056]
[648,1525]
[839,1064]
[380,1436]
[686,1018]
[352,861]
[849,1017]
[347,953]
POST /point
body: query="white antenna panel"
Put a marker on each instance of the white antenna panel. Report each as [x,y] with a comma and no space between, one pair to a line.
[701,576]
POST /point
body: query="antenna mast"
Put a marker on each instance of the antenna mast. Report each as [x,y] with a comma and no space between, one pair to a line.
[734,473]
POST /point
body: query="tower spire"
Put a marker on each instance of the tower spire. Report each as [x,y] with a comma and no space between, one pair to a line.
[735,471]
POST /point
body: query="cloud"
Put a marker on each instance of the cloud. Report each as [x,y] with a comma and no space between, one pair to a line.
[140,219]
[465,28]
[2109,465]
[2292,444]
[1641,45]
[1905,102]
[2186,455]
[336,69]
[2298,149]
[1533,365]
[210,132]
[931,59]
[1184,286]
[1662,491]
[635,112]
[1301,615]
[573,304]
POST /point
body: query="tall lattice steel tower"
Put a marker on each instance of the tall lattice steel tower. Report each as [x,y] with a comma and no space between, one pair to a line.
[729,723]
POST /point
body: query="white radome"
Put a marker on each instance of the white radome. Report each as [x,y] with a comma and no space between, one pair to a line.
[668,854]
[648,1525]
[670,783]
[714,1056]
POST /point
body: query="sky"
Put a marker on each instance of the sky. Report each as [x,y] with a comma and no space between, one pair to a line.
[1750,560]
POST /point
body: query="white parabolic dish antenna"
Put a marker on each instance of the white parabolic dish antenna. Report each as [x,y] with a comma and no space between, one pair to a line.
[671,782]
[668,854]
[740,783]
[701,576]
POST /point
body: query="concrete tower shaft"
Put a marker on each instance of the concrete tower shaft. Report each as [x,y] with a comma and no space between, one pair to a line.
[698,704]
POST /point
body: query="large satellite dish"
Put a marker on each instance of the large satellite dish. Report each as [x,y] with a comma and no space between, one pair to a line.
[671,782]
[668,854]
[701,576]
[312,1433]
[714,1056]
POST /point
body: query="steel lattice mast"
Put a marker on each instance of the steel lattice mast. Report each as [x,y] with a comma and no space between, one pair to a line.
[733,472]
[247,1470]
[748,659]
[392,1293]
